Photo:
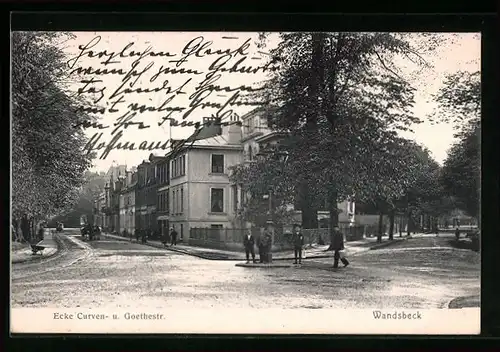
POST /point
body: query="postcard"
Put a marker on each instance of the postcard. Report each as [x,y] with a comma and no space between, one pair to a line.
[245,182]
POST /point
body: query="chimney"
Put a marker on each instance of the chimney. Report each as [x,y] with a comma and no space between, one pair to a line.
[231,130]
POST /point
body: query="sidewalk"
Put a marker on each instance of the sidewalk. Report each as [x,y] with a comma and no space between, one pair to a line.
[315,251]
[22,253]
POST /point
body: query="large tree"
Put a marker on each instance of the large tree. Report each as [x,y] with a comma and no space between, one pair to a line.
[461,175]
[337,96]
[48,161]
[459,101]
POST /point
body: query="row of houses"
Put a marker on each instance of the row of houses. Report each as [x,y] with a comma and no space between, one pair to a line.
[189,187]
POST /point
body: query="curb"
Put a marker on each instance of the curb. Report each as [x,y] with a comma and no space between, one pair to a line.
[265,266]
[454,305]
[32,258]
[201,256]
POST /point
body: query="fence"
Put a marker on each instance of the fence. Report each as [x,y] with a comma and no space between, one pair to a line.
[232,239]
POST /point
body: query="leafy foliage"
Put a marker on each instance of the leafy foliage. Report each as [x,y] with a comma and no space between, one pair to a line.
[460,102]
[462,170]
[339,98]
[459,98]
[48,160]
[93,186]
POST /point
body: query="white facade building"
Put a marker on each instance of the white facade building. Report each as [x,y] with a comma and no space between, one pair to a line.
[200,192]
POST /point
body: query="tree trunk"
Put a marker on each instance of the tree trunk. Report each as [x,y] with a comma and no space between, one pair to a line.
[410,222]
[334,216]
[392,214]
[401,226]
[380,226]
[308,208]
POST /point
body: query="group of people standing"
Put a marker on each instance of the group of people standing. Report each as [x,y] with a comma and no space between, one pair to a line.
[264,243]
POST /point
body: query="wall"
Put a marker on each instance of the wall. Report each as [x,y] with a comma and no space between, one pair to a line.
[200,203]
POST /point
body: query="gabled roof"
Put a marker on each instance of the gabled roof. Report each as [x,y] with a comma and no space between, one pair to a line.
[215,142]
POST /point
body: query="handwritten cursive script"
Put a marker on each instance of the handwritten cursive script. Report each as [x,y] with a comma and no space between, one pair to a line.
[140,87]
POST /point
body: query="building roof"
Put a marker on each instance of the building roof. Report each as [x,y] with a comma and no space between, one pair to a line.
[115,171]
[207,130]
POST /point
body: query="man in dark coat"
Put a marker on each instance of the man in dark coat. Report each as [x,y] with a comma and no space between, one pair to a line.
[260,246]
[267,242]
[25,227]
[173,236]
[338,245]
[298,244]
[165,238]
[249,242]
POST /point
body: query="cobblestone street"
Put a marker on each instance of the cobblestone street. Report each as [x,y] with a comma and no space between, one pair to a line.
[422,272]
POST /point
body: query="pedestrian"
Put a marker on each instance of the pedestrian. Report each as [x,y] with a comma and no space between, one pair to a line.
[298,244]
[41,232]
[249,242]
[145,234]
[457,234]
[260,247]
[165,238]
[338,245]
[267,242]
[137,234]
[173,236]
[15,230]
[25,227]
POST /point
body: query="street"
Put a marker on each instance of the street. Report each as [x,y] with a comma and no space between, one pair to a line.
[421,272]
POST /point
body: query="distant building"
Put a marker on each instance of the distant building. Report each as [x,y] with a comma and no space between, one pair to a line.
[127,203]
[112,198]
[162,194]
[99,208]
[145,198]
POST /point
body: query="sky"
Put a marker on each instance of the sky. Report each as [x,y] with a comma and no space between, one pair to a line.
[92,49]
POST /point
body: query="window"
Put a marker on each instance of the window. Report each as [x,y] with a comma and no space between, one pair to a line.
[167,204]
[217,164]
[174,208]
[217,200]
[179,166]
[242,195]
[182,200]
[250,153]
[216,226]
[235,198]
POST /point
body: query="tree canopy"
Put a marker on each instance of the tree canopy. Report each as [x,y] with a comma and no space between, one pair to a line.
[340,98]
[48,161]
[459,102]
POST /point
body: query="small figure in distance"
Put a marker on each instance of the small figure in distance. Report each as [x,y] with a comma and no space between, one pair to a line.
[249,242]
[338,245]
[173,236]
[298,244]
